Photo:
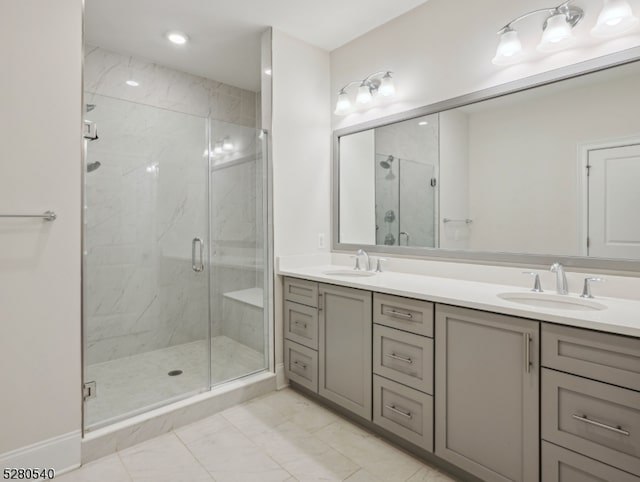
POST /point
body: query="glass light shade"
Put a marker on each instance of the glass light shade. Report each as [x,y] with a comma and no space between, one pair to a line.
[509,48]
[217,148]
[343,105]
[616,18]
[387,88]
[557,35]
[227,145]
[364,94]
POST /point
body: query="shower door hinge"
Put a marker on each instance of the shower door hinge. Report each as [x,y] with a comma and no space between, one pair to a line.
[90,130]
[88,391]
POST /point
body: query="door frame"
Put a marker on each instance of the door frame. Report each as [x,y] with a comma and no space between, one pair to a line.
[583,149]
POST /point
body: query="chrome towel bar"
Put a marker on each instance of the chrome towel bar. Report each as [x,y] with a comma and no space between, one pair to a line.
[47,216]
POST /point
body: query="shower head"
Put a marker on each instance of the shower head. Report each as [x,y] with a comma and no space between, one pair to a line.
[92,166]
[386,164]
[90,107]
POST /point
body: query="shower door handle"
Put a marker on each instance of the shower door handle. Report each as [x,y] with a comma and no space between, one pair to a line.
[197,266]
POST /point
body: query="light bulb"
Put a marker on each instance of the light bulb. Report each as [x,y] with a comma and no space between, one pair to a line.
[227,145]
[217,148]
[557,35]
[616,18]
[387,88]
[509,48]
[343,104]
[177,38]
[364,94]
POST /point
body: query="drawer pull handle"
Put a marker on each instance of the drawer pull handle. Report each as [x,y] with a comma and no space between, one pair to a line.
[399,314]
[399,412]
[398,357]
[300,364]
[300,323]
[585,419]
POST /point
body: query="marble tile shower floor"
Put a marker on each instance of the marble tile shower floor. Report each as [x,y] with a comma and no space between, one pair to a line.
[281,436]
[139,382]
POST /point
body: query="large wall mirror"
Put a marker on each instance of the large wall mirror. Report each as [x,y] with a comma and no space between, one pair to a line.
[551,170]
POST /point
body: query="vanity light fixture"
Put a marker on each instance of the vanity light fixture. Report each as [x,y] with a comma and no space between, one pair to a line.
[423,123]
[132,83]
[616,18]
[177,38]
[378,82]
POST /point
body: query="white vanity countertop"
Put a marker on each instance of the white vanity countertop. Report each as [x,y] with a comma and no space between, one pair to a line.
[621,316]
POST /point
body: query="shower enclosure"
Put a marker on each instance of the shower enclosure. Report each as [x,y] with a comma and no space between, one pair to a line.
[174,298]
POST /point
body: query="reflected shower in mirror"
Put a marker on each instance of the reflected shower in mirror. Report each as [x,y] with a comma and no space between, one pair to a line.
[389,183]
[551,170]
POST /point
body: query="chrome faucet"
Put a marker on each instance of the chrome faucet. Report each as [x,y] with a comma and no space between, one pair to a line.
[362,252]
[562,287]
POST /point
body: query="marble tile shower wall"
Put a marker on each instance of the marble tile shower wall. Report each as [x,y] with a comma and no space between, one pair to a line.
[148,199]
[106,72]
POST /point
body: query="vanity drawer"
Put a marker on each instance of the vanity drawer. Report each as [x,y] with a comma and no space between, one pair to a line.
[301,365]
[595,419]
[301,324]
[403,357]
[301,291]
[610,358]
[406,412]
[415,316]
[562,465]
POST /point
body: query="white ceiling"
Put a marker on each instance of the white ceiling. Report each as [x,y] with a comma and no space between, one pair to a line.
[225,35]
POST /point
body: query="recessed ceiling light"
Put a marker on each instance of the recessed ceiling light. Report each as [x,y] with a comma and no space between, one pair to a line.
[177,38]
[423,123]
[267,71]
[132,83]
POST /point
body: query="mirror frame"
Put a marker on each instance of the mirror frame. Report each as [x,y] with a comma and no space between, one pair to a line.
[626,266]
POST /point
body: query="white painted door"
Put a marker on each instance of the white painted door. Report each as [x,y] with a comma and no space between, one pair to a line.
[614,202]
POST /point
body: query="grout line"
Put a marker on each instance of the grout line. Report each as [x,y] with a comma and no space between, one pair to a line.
[192,454]
[126,470]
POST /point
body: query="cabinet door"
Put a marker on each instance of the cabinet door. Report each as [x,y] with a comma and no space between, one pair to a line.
[487,382]
[345,348]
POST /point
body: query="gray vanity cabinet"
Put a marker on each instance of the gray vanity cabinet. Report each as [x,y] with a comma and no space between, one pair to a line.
[487,386]
[344,354]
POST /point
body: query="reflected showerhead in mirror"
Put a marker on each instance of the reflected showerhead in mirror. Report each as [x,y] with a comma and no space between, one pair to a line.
[92,166]
[386,164]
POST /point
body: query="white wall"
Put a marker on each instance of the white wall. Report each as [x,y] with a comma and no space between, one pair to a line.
[454,179]
[444,48]
[301,155]
[357,188]
[40,168]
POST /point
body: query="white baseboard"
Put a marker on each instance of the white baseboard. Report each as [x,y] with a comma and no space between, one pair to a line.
[60,453]
[281,378]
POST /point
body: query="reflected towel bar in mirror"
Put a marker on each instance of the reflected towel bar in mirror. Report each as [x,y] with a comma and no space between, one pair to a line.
[47,216]
[449,220]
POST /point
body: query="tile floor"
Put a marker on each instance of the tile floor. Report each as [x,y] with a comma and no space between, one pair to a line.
[281,436]
[137,383]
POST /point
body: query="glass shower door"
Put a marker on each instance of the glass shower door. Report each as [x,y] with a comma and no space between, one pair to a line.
[238,246]
[145,264]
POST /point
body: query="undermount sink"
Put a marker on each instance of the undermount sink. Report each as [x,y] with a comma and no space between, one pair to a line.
[350,273]
[556,302]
